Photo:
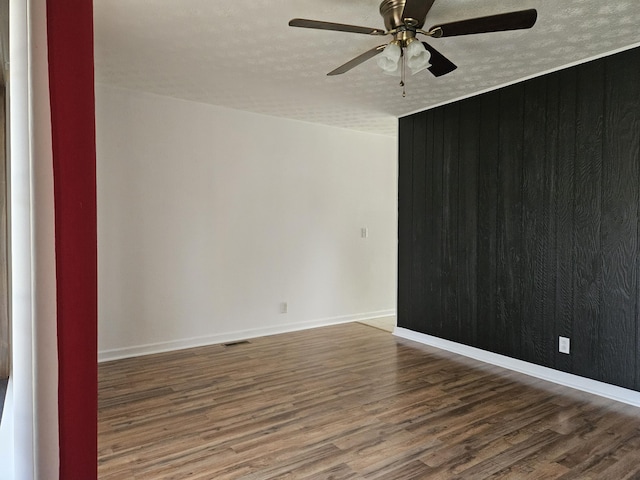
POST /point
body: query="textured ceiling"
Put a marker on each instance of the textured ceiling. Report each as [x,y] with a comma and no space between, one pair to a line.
[242,54]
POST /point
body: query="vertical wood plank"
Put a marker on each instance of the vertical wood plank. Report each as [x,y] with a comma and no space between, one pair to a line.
[509,224]
[419,222]
[467,307]
[619,230]
[588,193]
[431,206]
[438,326]
[550,220]
[488,329]
[450,185]
[564,211]
[405,209]
[533,337]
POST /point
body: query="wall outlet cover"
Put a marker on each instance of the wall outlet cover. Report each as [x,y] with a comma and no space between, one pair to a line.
[564,345]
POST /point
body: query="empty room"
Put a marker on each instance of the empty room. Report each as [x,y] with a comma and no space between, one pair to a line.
[321,239]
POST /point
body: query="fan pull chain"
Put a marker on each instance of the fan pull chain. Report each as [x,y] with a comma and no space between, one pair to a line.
[402,75]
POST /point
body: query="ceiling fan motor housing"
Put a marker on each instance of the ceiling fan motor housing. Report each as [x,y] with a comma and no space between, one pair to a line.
[392,10]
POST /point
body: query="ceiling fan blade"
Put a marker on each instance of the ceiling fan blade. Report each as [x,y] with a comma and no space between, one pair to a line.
[493,23]
[354,62]
[440,65]
[417,9]
[340,27]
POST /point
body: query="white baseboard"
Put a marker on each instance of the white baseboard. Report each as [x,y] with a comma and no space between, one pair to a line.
[179,344]
[595,387]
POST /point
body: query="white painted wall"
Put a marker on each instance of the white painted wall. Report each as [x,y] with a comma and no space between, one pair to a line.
[43,259]
[29,431]
[208,218]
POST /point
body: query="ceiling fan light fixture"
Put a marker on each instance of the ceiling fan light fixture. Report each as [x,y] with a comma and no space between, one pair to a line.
[389,59]
[417,56]
[404,19]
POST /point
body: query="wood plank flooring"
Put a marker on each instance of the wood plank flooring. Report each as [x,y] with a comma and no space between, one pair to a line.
[350,402]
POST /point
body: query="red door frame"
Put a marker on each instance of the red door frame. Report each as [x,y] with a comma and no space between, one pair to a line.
[71,85]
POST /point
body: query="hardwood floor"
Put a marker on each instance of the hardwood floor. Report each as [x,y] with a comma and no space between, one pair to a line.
[350,401]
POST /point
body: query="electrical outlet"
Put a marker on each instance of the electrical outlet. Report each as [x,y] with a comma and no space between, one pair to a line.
[364,232]
[284,308]
[564,345]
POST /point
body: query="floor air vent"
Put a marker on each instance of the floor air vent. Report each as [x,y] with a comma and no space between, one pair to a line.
[233,344]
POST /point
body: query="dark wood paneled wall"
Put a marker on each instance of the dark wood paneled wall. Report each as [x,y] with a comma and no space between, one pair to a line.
[518,220]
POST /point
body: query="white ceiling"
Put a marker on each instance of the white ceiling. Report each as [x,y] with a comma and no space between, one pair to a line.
[242,54]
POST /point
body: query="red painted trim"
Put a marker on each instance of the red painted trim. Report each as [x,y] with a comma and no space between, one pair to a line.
[71,85]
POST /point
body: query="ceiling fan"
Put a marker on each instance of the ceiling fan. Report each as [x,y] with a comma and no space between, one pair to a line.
[404,19]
